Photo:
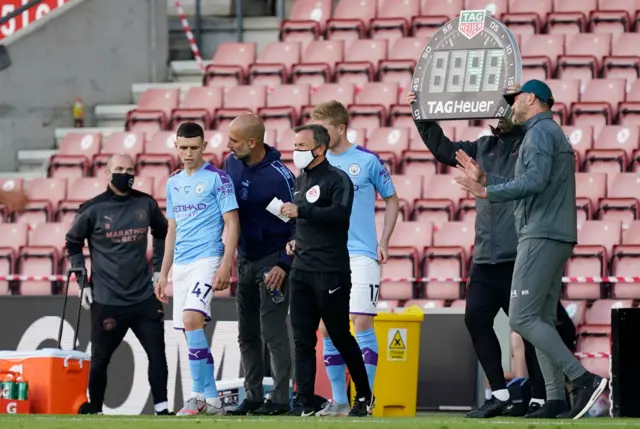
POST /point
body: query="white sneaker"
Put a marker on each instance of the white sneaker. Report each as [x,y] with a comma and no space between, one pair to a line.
[212,410]
[333,409]
[192,407]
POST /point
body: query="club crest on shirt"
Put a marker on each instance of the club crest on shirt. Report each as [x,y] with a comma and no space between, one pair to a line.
[354,169]
[244,193]
[313,194]
[199,188]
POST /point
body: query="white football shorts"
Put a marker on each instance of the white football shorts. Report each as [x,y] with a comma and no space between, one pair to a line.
[365,285]
[192,289]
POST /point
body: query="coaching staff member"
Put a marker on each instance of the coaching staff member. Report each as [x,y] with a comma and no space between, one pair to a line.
[489,285]
[544,189]
[258,177]
[320,278]
[119,292]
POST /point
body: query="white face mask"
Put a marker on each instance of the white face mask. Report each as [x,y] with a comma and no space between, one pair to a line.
[302,158]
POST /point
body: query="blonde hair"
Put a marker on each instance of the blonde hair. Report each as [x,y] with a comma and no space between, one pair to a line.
[332,111]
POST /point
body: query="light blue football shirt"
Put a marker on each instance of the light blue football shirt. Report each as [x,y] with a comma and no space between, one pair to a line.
[369,175]
[197,203]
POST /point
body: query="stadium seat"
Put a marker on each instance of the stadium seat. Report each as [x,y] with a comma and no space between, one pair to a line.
[389,144]
[79,191]
[361,61]
[623,62]
[41,257]
[425,303]
[400,63]
[598,317]
[230,64]
[441,196]
[154,110]
[275,63]
[160,188]
[199,105]
[496,7]
[540,51]
[159,157]
[629,111]
[613,16]
[595,344]
[583,55]
[459,303]
[394,18]
[342,92]
[408,189]
[591,256]
[433,15]
[44,196]
[590,189]
[525,16]
[581,139]
[447,258]
[237,100]
[14,237]
[624,263]
[8,185]
[318,62]
[565,93]
[128,142]
[599,103]
[74,155]
[351,20]
[576,310]
[284,106]
[616,144]
[623,198]
[632,234]
[372,105]
[388,304]
[307,20]
[216,150]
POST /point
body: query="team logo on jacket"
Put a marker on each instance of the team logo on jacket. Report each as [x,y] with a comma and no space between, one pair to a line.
[354,169]
[244,193]
[313,194]
[199,188]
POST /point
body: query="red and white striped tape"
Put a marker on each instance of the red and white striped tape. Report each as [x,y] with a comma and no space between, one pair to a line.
[189,34]
[596,355]
[610,279]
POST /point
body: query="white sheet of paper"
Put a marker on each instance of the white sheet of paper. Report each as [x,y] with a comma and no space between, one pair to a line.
[274,209]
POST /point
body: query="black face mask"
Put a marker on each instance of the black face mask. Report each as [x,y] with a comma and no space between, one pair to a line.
[123,182]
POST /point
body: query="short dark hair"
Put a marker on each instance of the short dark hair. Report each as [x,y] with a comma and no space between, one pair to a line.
[190,130]
[320,133]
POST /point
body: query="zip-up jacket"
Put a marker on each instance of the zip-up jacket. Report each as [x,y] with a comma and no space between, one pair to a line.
[116,229]
[261,232]
[544,186]
[324,197]
[497,153]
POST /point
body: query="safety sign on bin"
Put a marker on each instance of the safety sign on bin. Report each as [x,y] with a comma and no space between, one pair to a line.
[397,349]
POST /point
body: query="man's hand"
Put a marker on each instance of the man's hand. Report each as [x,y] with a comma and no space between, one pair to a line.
[290,210]
[222,279]
[514,87]
[275,277]
[470,168]
[291,247]
[159,287]
[383,254]
[471,186]
[14,200]
[175,172]
[411,97]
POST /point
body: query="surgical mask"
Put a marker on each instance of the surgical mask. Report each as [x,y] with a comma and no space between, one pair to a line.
[302,158]
[123,182]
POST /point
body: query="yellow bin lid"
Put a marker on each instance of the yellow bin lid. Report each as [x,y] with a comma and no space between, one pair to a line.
[410,314]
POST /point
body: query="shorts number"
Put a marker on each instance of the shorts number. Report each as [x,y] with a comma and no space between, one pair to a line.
[197,290]
[375,290]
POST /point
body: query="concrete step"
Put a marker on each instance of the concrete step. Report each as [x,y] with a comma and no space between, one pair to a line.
[105,131]
[112,115]
[24,175]
[187,71]
[34,160]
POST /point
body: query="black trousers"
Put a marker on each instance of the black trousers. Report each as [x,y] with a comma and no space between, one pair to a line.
[109,325]
[488,291]
[325,296]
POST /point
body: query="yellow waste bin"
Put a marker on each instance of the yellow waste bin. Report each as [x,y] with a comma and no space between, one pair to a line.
[396,384]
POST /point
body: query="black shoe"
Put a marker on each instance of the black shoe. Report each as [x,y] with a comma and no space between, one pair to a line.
[302,410]
[244,408]
[516,410]
[165,412]
[89,408]
[362,407]
[586,390]
[270,408]
[550,410]
[493,407]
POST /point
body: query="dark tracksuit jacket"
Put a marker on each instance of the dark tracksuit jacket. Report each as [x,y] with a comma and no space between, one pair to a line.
[116,229]
[262,233]
[496,238]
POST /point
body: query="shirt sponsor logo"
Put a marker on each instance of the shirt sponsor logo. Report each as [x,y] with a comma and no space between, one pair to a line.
[459,106]
[471,22]
[126,235]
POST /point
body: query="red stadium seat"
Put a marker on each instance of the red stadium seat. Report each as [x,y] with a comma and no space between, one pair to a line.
[441,197]
[284,106]
[14,237]
[372,105]
[128,142]
[144,184]
[583,57]
[41,257]
[74,154]
[361,61]
[318,62]
[594,345]
[599,103]
[44,197]
[307,21]
[425,303]
[8,185]
[273,66]
[496,7]
[613,16]
[230,64]
[199,105]
[401,60]
[79,191]
[237,100]
[565,93]
[342,92]
[629,111]
[154,110]
[590,189]
[617,143]
[351,19]
[581,139]
[576,310]
[623,62]
[216,149]
[160,156]
[623,198]
[409,189]
[389,144]
[525,16]
[598,318]
[433,15]
[394,19]
[541,51]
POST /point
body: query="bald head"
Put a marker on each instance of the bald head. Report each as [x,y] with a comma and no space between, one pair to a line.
[246,137]
[120,170]
[121,163]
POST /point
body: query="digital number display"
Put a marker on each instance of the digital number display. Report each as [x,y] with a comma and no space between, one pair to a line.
[466,70]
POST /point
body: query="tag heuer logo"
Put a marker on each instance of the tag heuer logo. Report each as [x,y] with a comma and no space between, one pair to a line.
[471,22]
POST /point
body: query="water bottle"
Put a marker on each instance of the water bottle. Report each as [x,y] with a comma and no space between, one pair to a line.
[276,296]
